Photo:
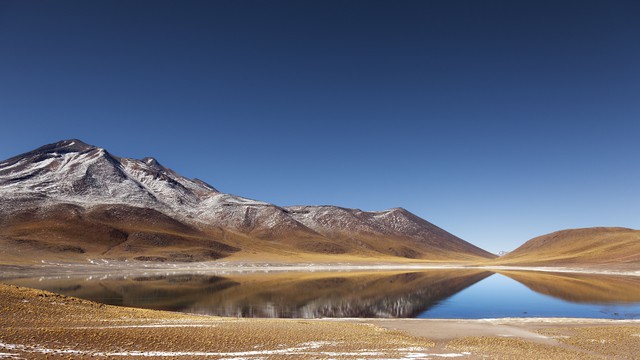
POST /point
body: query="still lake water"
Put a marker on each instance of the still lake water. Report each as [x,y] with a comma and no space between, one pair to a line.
[465,294]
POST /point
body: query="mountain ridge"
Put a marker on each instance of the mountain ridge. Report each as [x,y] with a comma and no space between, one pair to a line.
[55,195]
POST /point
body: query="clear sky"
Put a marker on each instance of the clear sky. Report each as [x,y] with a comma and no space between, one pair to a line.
[496,120]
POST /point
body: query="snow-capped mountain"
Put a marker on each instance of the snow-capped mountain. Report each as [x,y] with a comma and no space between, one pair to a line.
[76,172]
[71,195]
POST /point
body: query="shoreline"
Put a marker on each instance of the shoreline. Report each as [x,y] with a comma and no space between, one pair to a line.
[106,267]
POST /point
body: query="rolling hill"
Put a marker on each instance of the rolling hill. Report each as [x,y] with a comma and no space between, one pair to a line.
[599,246]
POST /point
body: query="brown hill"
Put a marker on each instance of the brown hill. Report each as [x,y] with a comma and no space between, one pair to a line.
[613,247]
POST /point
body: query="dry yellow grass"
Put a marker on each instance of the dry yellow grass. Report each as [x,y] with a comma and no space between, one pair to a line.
[36,324]
[603,247]
[613,342]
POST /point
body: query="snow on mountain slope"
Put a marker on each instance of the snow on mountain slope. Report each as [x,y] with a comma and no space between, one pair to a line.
[76,172]
[333,221]
[73,172]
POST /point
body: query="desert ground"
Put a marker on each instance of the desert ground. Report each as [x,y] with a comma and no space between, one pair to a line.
[36,324]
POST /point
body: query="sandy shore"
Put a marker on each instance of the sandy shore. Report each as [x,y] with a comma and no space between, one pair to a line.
[101,267]
[37,324]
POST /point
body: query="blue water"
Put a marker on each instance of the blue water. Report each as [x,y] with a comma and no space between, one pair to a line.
[499,296]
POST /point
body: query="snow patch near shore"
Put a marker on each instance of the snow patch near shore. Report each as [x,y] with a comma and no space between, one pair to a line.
[304,349]
[4,355]
[114,268]
[146,326]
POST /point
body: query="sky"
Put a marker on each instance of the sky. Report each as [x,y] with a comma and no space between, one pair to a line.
[496,120]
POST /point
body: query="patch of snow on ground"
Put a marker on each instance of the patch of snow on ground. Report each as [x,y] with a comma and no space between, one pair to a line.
[16,164]
[304,349]
[146,326]
[4,355]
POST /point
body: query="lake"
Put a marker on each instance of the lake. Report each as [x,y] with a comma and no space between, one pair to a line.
[467,294]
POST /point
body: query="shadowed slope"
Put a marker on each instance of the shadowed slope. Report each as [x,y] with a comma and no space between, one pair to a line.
[67,232]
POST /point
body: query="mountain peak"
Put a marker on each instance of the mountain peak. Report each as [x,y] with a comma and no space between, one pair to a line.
[398,210]
[152,162]
[74,169]
[50,150]
[71,145]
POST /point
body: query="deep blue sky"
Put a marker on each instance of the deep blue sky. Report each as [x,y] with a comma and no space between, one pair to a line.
[496,120]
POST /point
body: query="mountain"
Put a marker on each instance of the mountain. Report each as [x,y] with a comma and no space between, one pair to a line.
[73,201]
[611,246]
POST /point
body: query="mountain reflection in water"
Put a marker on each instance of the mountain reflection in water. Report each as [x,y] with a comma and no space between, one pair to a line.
[381,294]
[283,295]
[581,288]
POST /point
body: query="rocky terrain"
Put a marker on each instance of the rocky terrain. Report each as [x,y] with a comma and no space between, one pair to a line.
[70,201]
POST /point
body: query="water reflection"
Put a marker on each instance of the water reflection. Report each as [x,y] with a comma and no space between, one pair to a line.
[285,295]
[581,288]
[502,296]
[389,294]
